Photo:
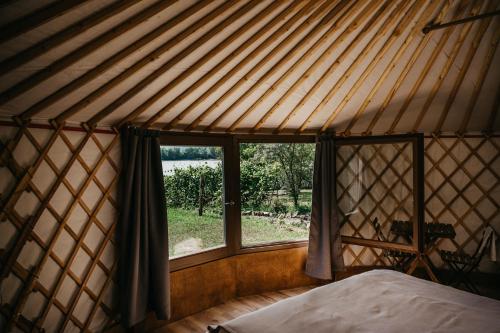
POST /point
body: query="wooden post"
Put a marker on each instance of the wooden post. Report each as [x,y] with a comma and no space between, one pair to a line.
[201,194]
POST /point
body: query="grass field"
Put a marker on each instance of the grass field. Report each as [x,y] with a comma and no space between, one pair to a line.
[260,230]
[305,199]
[189,233]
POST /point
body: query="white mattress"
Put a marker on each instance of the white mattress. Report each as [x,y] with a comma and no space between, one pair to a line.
[376,301]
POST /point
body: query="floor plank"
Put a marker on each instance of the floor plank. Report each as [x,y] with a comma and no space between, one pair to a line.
[198,322]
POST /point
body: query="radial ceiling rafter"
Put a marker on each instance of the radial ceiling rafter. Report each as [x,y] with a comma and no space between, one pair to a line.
[287,66]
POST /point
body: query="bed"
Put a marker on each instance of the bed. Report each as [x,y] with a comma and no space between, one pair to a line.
[375,301]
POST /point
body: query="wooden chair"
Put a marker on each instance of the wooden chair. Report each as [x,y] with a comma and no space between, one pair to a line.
[463,264]
[397,259]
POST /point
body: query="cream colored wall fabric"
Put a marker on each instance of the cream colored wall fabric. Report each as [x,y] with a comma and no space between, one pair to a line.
[269,56]
[462,188]
[70,250]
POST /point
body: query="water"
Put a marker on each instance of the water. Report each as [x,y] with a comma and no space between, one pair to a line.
[170,166]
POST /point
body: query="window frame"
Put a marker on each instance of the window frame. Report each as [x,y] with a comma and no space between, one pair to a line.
[271,246]
[231,170]
[417,142]
[224,141]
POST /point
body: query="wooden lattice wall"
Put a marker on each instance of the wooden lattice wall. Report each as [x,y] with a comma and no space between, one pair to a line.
[462,187]
[58,199]
[374,180]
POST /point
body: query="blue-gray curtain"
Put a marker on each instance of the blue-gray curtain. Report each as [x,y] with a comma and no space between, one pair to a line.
[142,236]
[324,255]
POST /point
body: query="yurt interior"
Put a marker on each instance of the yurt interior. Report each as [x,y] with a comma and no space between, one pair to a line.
[237,166]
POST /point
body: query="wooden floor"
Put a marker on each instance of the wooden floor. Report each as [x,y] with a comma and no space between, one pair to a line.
[198,322]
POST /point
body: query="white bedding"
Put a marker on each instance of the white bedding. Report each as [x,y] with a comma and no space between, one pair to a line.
[376,301]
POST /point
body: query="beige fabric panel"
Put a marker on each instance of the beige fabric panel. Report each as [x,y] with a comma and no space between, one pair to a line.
[462,188]
[70,250]
[355,79]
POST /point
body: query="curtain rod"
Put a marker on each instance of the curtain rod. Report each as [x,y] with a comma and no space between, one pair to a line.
[429,27]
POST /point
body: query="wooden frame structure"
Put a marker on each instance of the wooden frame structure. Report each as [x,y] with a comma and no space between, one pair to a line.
[417,247]
[333,28]
[26,183]
[439,152]
[241,66]
[415,141]
[232,213]
[224,142]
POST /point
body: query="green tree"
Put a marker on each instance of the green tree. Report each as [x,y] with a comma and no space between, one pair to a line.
[257,181]
[296,162]
[264,169]
[175,153]
[271,167]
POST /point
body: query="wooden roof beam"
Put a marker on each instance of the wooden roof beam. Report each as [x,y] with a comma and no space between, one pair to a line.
[147,59]
[471,52]
[423,74]
[382,30]
[212,54]
[381,78]
[107,65]
[310,52]
[92,46]
[268,27]
[289,55]
[31,21]
[178,57]
[403,74]
[480,81]
[304,11]
[341,58]
[57,39]
[464,31]
[5,3]
[325,6]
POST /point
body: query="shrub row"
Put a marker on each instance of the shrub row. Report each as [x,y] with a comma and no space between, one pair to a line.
[257,183]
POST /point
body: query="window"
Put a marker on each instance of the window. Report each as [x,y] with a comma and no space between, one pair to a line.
[379,191]
[375,181]
[244,193]
[275,192]
[194,188]
[235,194]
